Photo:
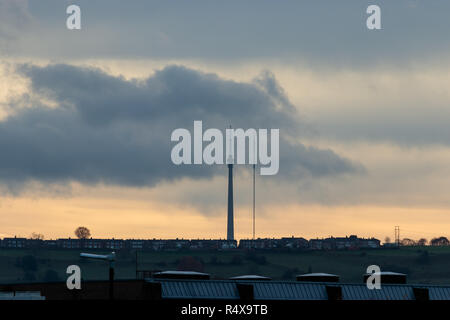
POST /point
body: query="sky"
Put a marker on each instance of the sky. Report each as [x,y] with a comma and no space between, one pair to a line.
[86,117]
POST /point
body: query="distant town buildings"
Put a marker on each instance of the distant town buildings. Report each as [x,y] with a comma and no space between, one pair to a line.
[352,242]
[293,243]
[269,243]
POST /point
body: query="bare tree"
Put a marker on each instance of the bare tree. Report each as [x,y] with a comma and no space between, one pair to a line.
[407,242]
[82,233]
[387,240]
[422,242]
[441,241]
[37,236]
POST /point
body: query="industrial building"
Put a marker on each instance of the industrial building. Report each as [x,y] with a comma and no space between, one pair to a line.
[175,285]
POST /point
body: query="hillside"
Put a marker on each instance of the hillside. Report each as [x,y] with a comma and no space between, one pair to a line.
[422,264]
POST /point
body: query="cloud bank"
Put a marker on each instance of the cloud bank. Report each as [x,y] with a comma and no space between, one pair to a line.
[106,129]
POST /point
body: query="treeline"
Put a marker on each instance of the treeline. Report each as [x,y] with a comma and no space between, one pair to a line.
[438,241]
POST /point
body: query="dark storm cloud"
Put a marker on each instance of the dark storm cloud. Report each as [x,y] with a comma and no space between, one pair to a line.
[117,131]
[176,94]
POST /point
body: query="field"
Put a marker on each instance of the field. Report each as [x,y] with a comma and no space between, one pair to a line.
[430,265]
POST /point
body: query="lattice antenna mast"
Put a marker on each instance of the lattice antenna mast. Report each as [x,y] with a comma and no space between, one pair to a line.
[254,188]
[397,235]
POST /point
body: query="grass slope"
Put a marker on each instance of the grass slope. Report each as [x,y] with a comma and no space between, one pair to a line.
[429,265]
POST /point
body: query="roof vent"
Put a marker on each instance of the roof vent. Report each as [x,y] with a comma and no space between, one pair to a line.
[388,277]
[318,277]
[181,275]
[251,277]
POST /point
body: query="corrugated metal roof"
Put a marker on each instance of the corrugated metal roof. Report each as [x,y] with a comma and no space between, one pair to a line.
[387,292]
[21,295]
[198,289]
[289,291]
[285,290]
[437,292]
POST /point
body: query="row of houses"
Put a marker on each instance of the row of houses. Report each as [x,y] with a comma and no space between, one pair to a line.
[118,244]
[352,242]
[332,243]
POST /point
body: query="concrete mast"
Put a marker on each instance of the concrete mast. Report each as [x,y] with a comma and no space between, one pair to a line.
[230,216]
